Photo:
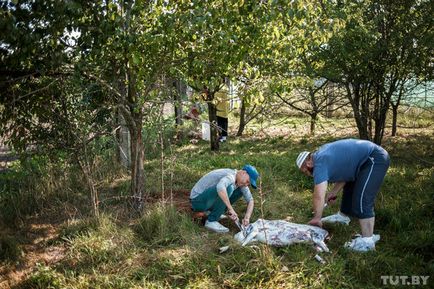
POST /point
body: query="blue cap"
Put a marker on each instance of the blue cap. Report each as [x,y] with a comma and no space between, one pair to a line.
[253,174]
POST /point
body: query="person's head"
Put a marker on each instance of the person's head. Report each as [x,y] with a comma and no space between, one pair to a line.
[305,163]
[247,176]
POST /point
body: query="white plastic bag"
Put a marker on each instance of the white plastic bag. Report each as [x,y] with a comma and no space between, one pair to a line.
[206,134]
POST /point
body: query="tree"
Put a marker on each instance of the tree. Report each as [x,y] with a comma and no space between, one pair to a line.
[285,58]
[220,35]
[380,46]
[122,48]
[407,91]
[39,99]
[251,91]
[310,97]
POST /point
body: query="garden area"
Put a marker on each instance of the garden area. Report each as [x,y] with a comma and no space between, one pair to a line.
[112,111]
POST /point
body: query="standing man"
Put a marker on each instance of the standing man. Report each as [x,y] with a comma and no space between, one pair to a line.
[222,107]
[356,166]
[219,189]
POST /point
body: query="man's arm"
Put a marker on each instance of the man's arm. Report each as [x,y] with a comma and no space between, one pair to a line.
[249,211]
[331,195]
[318,203]
[224,196]
[337,187]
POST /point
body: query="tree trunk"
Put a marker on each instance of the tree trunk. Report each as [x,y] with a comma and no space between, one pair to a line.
[93,194]
[181,89]
[379,131]
[313,118]
[363,129]
[330,100]
[124,140]
[358,109]
[383,104]
[380,124]
[137,160]
[395,106]
[394,119]
[242,118]
[212,117]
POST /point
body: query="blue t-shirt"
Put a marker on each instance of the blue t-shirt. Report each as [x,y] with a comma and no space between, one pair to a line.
[340,161]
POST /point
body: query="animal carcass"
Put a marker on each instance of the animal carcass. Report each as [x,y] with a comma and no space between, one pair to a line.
[283,233]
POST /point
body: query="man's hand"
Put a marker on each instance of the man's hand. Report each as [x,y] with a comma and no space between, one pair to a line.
[331,198]
[246,221]
[315,222]
[232,214]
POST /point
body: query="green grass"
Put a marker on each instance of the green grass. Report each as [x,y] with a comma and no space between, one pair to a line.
[163,248]
[10,250]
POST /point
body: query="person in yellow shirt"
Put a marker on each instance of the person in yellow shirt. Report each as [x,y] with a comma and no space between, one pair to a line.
[222,105]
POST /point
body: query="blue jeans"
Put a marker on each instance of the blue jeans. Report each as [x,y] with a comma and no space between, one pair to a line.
[210,200]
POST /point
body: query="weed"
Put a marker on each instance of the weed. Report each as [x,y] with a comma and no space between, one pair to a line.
[10,249]
[44,278]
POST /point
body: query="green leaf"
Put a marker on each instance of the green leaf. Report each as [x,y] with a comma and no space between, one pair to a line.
[136,59]
[276,32]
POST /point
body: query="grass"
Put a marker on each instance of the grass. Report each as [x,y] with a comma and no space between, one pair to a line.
[164,248]
[9,249]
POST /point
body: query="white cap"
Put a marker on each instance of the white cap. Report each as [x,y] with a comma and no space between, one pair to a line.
[301,158]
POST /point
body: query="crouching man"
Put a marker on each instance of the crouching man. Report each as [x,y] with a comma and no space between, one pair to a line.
[356,166]
[218,190]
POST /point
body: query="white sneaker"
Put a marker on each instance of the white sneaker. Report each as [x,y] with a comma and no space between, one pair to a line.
[216,227]
[336,218]
[222,217]
[362,244]
[375,237]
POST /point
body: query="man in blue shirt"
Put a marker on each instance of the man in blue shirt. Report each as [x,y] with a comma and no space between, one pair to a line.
[218,190]
[356,166]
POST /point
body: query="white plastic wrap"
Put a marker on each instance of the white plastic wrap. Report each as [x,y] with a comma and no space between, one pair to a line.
[282,233]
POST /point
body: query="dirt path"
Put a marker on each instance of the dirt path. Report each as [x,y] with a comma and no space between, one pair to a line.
[37,247]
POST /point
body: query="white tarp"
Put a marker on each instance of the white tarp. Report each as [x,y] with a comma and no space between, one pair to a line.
[282,233]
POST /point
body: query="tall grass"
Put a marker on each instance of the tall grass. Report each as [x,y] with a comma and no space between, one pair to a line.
[162,225]
[10,250]
[163,248]
[27,188]
[41,183]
